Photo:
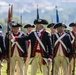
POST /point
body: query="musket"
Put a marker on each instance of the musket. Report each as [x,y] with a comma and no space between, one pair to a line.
[10,16]
[9,55]
[53,56]
[74,56]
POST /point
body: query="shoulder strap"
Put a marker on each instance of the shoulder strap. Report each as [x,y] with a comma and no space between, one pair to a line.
[13,42]
[72,37]
[39,41]
[59,40]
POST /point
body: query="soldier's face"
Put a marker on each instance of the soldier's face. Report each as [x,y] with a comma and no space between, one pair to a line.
[15,29]
[74,28]
[29,29]
[60,29]
[52,29]
[38,26]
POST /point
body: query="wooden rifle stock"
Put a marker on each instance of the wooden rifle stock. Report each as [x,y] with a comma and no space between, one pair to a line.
[9,55]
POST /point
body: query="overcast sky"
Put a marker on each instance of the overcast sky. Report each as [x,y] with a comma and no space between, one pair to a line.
[29,5]
[66,8]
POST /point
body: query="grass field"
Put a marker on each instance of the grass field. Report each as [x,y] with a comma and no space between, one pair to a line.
[5,66]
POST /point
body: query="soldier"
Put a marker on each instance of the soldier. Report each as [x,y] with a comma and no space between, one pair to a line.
[28,27]
[2,48]
[62,49]
[51,26]
[73,36]
[18,49]
[41,52]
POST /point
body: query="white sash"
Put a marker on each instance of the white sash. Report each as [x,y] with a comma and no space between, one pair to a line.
[72,37]
[39,41]
[59,40]
[17,43]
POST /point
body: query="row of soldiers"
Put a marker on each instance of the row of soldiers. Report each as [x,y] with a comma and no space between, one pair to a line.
[39,48]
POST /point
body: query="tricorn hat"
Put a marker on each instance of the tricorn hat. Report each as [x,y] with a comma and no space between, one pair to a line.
[40,21]
[0,26]
[60,25]
[72,24]
[15,24]
[29,25]
[50,25]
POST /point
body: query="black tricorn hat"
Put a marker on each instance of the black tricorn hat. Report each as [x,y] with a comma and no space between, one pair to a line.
[29,25]
[15,24]
[60,25]
[0,26]
[33,26]
[40,21]
[50,25]
[72,24]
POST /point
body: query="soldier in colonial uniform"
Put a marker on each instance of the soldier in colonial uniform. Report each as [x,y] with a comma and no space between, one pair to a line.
[41,52]
[62,49]
[2,48]
[52,29]
[28,27]
[18,48]
[73,37]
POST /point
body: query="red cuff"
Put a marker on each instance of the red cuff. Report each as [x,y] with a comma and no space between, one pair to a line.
[50,57]
[26,55]
[71,57]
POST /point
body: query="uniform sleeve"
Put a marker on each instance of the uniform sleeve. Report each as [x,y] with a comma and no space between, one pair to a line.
[7,44]
[49,44]
[2,45]
[23,38]
[69,47]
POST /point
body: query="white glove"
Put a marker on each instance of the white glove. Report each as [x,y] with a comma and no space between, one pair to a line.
[50,59]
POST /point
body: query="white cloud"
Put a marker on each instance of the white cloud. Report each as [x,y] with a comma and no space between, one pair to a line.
[66,0]
[42,11]
[50,7]
[3,6]
[2,3]
[60,9]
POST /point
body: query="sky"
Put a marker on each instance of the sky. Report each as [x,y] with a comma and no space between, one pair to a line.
[21,6]
[29,5]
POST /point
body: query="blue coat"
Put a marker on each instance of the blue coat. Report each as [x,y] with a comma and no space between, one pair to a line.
[22,44]
[67,42]
[2,47]
[45,40]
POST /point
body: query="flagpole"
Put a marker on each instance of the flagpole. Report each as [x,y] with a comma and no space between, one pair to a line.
[21,18]
[57,15]
[37,13]
[9,20]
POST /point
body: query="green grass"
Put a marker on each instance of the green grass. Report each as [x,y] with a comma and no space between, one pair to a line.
[29,70]
[5,67]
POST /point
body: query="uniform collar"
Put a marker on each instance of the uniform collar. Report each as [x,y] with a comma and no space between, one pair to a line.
[74,33]
[16,34]
[60,33]
[40,30]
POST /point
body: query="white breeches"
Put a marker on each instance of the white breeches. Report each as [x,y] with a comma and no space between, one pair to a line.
[13,63]
[37,62]
[61,61]
[27,61]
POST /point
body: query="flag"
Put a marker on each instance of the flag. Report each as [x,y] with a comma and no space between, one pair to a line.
[57,16]
[10,14]
[37,13]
